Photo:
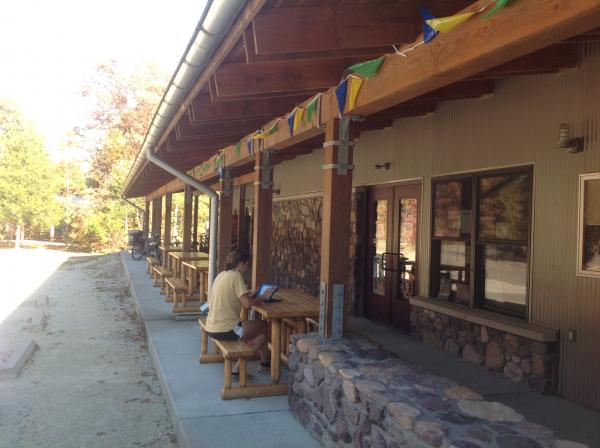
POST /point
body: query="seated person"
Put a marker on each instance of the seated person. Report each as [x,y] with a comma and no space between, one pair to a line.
[227,295]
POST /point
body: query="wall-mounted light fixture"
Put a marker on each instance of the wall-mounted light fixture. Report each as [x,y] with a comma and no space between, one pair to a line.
[382,166]
[565,141]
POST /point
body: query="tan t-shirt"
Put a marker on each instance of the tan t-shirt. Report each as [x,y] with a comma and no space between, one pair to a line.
[224,304]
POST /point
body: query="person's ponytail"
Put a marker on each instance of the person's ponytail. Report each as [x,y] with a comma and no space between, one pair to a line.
[235,258]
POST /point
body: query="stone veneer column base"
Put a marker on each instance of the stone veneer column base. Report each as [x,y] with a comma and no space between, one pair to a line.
[351,393]
[517,358]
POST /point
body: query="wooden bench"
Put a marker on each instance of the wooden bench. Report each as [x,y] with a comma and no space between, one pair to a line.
[150,263]
[205,357]
[232,351]
[159,276]
[175,288]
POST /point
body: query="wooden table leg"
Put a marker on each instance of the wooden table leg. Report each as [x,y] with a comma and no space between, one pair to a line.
[275,350]
[192,284]
[202,287]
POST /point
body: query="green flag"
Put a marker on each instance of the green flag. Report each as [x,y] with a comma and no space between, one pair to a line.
[500,4]
[237,149]
[366,69]
[310,108]
[273,129]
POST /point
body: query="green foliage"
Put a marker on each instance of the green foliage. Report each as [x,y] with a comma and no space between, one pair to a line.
[29,181]
[123,105]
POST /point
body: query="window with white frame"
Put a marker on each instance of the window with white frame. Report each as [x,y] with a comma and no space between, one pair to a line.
[588,254]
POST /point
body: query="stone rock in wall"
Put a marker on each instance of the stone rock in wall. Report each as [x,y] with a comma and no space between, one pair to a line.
[491,411]
[494,357]
[430,432]
[513,372]
[403,414]
[512,343]
[484,335]
[471,355]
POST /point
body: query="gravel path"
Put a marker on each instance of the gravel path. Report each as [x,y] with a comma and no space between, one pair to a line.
[91,382]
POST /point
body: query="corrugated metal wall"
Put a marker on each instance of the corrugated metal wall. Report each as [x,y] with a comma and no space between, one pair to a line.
[518,125]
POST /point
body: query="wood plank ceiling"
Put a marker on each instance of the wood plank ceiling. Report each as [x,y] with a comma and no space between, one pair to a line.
[295,48]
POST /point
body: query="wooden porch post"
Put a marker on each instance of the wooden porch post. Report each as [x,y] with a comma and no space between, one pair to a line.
[241,230]
[147,218]
[225,220]
[335,236]
[263,206]
[187,219]
[168,207]
[158,217]
[195,224]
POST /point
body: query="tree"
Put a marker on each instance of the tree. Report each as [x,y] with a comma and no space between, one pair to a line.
[122,108]
[28,180]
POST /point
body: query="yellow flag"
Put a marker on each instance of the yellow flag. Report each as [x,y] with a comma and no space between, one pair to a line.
[446,24]
[258,136]
[354,87]
[298,118]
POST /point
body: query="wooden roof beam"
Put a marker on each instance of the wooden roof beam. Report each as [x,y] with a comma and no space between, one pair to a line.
[185,131]
[204,111]
[271,78]
[475,47]
[337,27]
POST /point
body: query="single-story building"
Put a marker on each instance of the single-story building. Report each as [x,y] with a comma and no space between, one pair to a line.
[450,189]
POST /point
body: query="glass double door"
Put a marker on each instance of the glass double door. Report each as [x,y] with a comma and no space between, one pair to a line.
[393,214]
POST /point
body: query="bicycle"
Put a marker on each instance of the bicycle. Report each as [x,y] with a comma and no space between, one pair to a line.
[145,246]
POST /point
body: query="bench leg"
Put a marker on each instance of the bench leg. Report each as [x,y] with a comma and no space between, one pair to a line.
[242,372]
[227,374]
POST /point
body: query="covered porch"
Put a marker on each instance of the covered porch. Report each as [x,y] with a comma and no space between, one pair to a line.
[334,177]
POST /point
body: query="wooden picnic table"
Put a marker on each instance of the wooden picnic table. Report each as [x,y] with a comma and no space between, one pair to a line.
[178,257]
[294,305]
[165,250]
[194,271]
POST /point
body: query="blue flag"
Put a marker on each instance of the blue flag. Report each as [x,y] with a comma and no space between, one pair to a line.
[250,145]
[340,94]
[290,121]
[428,32]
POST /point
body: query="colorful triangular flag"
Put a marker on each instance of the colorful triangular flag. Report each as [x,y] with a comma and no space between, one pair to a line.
[340,94]
[311,106]
[250,146]
[355,85]
[446,24]
[366,69]
[273,129]
[298,118]
[428,32]
[500,4]
[290,121]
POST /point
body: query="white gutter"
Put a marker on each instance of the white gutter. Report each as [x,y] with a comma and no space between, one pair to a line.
[214,24]
[214,204]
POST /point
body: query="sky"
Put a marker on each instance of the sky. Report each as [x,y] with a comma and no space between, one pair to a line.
[49,48]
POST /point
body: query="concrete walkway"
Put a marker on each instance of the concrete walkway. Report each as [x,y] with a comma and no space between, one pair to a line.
[200,418]
[568,420]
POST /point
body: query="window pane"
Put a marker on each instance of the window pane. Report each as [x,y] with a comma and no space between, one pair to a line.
[454,271]
[504,207]
[591,225]
[505,270]
[408,228]
[380,211]
[452,208]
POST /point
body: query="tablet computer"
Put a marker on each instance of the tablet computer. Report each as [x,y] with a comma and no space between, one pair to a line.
[263,288]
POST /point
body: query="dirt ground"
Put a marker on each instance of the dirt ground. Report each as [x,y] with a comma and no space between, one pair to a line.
[90,382]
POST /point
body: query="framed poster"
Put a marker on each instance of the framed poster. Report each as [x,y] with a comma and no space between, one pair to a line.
[588,235]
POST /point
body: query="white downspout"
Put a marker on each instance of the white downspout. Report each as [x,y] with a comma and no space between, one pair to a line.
[214,205]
